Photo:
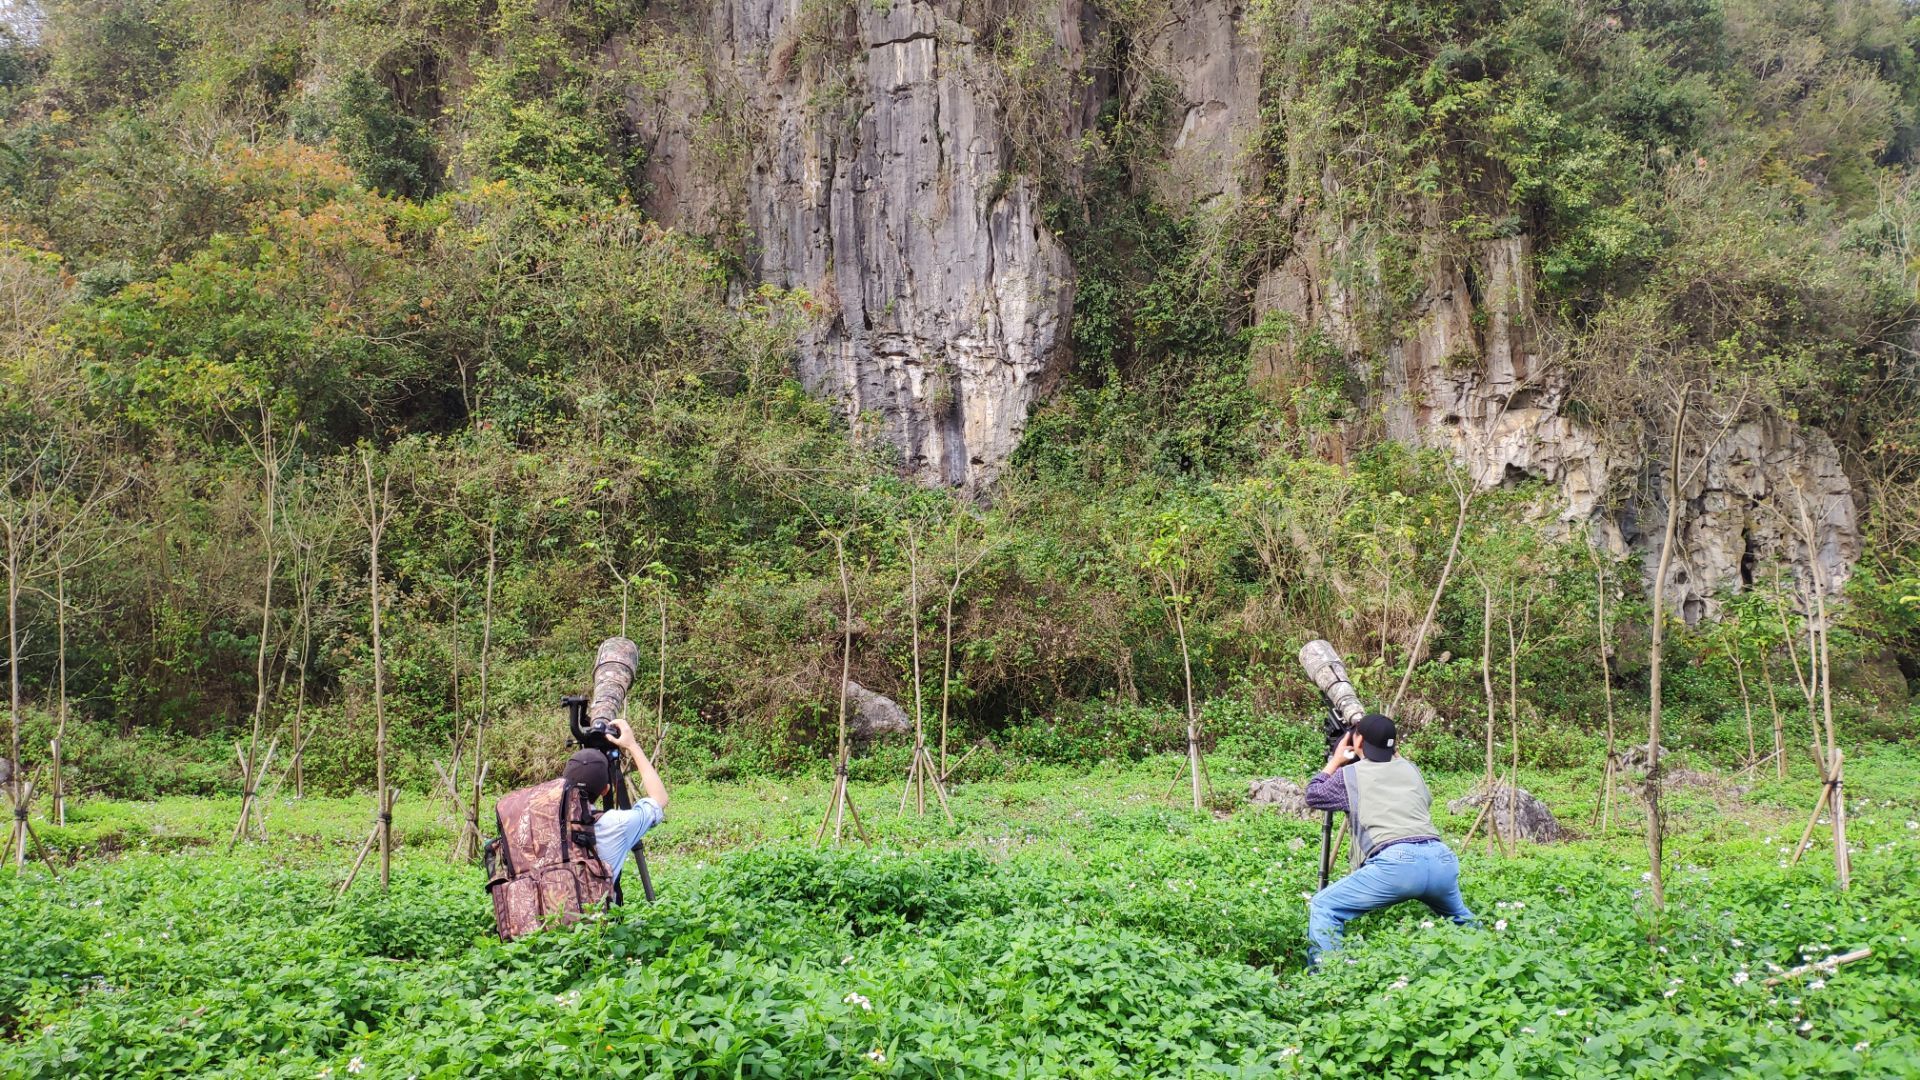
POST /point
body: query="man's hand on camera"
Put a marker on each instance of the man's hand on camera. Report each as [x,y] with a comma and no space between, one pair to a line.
[622,736]
[1345,752]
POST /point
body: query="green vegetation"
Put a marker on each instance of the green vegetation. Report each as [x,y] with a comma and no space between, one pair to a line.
[420,230]
[1073,925]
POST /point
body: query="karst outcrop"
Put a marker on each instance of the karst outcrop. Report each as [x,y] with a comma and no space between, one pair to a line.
[862,153]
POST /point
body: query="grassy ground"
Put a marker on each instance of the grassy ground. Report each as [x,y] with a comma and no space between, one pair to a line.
[1074,923]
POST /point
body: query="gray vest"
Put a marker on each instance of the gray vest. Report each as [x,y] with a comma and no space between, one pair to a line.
[1386,801]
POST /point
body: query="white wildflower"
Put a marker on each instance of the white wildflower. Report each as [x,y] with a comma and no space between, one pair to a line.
[1561,1012]
[1288,1051]
[356,1065]
[877,1056]
[1740,978]
[1426,924]
[1737,943]
[1526,1031]
[1806,1025]
[1517,905]
[1860,1047]
[861,1000]
[1671,991]
[1817,984]
[1399,983]
[1500,924]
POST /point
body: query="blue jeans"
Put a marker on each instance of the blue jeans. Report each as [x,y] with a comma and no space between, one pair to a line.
[1426,871]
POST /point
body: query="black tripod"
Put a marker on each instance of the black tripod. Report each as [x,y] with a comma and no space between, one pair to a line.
[592,738]
[1335,731]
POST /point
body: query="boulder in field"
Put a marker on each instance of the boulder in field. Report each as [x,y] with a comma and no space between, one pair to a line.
[1514,812]
[870,714]
[1280,794]
[1635,758]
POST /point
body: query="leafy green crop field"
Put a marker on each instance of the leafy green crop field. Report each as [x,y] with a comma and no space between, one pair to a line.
[1076,924]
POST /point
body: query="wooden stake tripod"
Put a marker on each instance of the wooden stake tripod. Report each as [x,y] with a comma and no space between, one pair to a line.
[20,794]
[1832,797]
[253,819]
[919,774]
[383,832]
[840,807]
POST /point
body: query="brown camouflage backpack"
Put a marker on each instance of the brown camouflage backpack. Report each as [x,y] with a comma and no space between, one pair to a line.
[542,867]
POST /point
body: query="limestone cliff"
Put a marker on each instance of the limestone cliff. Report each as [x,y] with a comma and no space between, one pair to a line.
[877,178]
[861,148]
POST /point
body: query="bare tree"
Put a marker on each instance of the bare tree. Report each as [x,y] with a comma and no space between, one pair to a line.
[840,803]
[272,457]
[374,516]
[962,562]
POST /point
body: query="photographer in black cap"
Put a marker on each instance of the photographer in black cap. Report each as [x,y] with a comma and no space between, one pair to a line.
[615,832]
[1397,851]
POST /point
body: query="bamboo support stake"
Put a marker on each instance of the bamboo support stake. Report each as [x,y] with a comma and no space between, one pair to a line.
[921,769]
[59,786]
[1806,836]
[1465,495]
[1746,701]
[1779,756]
[382,826]
[842,799]
[1603,811]
[1842,858]
[1828,964]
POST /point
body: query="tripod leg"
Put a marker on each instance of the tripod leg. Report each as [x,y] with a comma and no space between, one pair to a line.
[832,801]
[854,812]
[646,878]
[1326,847]
[42,849]
[940,790]
[1826,792]
[365,846]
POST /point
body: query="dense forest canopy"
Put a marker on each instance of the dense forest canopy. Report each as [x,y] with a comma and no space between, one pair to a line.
[258,258]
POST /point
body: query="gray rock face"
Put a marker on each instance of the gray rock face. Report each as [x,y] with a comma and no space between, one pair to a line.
[870,714]
[1514,813]
[1470,378]
[879,180]
[1209,54]
[1281,794]
[865,149]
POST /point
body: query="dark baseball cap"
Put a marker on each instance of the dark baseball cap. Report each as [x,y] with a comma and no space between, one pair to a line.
[1376,736]
[587,769]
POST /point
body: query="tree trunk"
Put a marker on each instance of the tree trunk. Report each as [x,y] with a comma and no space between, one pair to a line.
[60,727]
[16,781]
[1655,652]
[1606,684]
[1486,677]
[917,781]
[1176,598]
[486,656]
[1433,605]
[376,522]
[1773,710]
[1746,704]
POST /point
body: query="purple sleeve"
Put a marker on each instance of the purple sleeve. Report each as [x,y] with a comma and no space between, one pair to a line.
[1327,791]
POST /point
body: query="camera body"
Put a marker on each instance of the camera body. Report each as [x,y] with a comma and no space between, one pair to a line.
[591,734]
[1328,672]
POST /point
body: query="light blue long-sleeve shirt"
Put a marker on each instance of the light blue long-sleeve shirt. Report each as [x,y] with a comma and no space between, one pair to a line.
[619,831]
